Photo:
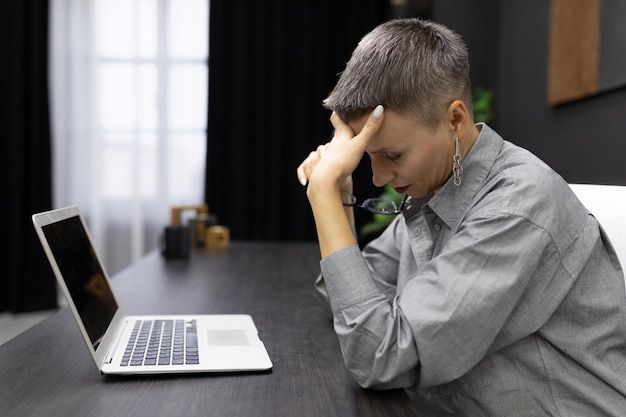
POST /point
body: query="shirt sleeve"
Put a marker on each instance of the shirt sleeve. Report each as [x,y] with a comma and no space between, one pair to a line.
[375,337]
[381,255]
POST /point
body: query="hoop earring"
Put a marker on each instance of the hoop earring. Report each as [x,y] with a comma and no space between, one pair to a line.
[456,164]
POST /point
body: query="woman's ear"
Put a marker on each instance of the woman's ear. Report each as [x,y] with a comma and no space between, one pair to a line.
[459,117]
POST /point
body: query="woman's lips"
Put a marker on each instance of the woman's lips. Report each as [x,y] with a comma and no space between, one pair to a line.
[401,190]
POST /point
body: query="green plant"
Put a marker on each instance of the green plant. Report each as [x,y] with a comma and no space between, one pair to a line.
[482,101]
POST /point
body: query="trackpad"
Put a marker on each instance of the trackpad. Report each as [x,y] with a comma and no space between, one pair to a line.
[227,337]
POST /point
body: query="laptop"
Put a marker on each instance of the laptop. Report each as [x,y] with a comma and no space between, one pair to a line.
[148,344]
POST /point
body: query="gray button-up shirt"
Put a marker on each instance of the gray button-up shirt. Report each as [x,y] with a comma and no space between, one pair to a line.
[498,297]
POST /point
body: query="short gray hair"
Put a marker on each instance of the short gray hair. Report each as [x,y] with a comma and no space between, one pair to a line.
[411,66]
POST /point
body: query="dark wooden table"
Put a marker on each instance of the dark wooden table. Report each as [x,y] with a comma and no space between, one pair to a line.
[47,370]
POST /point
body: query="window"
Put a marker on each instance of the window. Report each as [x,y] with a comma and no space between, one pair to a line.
[129,102]
[152,84]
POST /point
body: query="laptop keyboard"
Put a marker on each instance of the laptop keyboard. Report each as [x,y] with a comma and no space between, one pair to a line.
[162,342]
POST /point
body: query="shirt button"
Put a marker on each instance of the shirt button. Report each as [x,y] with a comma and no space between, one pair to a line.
[437,227]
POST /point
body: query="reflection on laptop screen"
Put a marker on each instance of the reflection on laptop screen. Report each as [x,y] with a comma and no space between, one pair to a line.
[83,275]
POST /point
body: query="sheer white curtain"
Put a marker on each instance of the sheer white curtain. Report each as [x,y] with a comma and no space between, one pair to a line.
[129,103]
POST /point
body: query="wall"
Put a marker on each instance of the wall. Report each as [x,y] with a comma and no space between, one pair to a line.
[581,140]
[508,43]
[477,21]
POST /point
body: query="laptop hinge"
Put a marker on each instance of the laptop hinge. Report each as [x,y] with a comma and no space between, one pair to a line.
[118,339]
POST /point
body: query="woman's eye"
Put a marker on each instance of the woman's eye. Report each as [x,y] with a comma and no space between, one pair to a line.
[394,156]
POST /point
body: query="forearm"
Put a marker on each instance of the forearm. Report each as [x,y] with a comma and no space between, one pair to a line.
[326,170]
[375,337]
[333,221]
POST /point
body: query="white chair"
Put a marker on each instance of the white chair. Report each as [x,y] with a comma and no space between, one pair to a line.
[608,204]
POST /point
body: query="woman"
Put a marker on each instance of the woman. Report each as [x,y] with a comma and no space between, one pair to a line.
[494,292]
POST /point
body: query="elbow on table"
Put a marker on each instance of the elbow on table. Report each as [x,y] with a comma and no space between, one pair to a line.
[371,379]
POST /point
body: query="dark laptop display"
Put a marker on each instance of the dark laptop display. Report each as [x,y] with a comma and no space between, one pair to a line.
[84,277]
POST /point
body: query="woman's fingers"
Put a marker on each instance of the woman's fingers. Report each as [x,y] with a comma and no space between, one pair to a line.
[349,154]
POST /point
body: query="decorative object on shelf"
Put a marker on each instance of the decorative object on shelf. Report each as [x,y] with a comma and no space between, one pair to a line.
[200,230]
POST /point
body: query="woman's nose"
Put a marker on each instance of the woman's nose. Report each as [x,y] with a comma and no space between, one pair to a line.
[380,175]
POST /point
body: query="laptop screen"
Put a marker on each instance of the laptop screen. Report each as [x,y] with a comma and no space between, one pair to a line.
[83,275]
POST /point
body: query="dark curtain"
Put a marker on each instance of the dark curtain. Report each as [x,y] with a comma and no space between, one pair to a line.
[26,281]
[271,64]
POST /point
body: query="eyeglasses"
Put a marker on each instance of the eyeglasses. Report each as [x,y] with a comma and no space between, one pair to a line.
[374,205]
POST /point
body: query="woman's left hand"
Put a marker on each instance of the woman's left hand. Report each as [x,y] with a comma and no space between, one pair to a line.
[334,162]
